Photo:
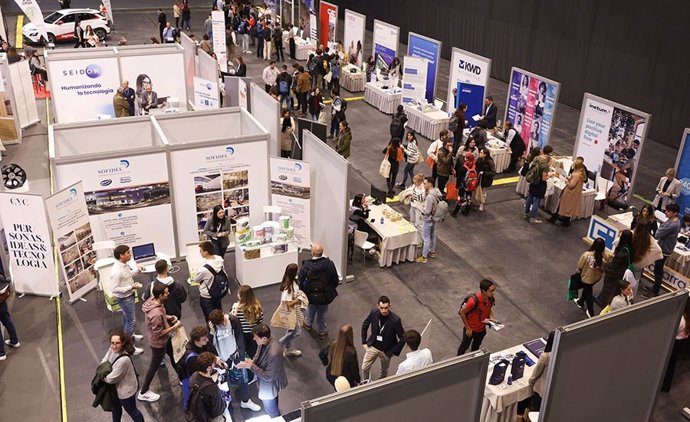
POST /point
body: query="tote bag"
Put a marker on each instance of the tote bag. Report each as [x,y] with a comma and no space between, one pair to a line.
[385,167]
[179,343]
[451,191]
[284,317]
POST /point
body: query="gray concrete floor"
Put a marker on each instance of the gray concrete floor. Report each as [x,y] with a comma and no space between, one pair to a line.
[529,263]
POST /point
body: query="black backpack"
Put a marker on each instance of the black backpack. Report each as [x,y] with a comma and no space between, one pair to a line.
[397,127]
[316,288]
[195,410]
[453,123]
[219,287]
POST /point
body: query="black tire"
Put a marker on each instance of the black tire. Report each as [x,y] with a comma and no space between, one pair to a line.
[51,38]
[101,33]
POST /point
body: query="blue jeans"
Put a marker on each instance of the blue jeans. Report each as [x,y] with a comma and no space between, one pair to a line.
[271,407]
[286,340]
[429,237]
[284,97]
[6,320]
[130,406]
[532,205]
[207,305]
[314,117]
[127,306]
[318,311]
[335,125]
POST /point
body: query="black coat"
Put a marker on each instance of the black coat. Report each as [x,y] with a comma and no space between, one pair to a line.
[327,267]
[392,333]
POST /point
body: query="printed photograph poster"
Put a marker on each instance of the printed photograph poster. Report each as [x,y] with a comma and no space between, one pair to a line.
[472,70]
[162,71]
[429,49]
[414,79]
[128,198]
[385,41]
[610,138]
[69,219]
[328,19]
[683,173]
[205,94]
[82,89]
[307,19]
[29,244]
[291,191]
[355,25]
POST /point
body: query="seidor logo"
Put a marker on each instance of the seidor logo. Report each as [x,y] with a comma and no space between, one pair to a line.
[470,67]
[599,109]
[685,186]
[93,71]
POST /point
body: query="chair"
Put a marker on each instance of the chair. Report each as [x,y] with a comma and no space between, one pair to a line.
[362,243]
[603,187]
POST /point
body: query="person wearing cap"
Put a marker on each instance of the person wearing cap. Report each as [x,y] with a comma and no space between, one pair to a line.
[6,318]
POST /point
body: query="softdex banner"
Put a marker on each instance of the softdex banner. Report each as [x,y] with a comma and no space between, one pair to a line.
[429,49]
[354,36]
[328,18]
[414,79]
[683,173]
[291,191]
[385,41]
[69,218]
[29,245]
[472,71]
[531,106]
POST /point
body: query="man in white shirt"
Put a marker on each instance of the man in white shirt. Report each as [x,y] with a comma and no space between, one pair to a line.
[416,359]
[122,286]
[270,75]
[168,33]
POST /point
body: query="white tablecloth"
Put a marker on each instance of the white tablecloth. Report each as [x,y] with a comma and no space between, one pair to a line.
[500,401]
[353,82]
[550,203]
[303,47]
[501,157]
[398,238]
[428,124]
[384,100]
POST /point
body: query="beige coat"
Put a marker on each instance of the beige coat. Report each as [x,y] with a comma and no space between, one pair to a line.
[590,275]
[572,196]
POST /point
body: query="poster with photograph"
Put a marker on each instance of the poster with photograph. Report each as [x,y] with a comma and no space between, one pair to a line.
[471,70]
[328,19]
[683,173]
[610,138]
[229,189]
[307,19]
[291,191]
[355,25]
[430,50]
[69,219]
[531,106]
[385,41]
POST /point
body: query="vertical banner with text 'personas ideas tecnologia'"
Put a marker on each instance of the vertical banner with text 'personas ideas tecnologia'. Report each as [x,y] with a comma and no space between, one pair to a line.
[472,70]
[683,173]
[531,106]
[353,36]
[328,19]
[291,191]
[69,218]
[386,38]
[28,243]
[429,49]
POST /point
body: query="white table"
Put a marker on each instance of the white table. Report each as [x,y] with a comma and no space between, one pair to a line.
[398,238]
[428,124]
[385,100]
[500,153]
[500,401]
[263,271]
[550,203]
[303,47]
[353,82]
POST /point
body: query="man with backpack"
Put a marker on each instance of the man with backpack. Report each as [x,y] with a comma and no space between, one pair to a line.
[431,204]
[537,175]
[318,279]
[475,310]
[337,113]
[212,279]
[178,294]
[397,127]
[206,403]
[199,342]
[284,82]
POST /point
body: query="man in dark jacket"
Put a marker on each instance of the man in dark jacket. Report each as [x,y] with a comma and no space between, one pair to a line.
[205,399]
[319,281]
[162,20]
[516,144]
[129,95]
[178,294]
[386,338]
[284,82]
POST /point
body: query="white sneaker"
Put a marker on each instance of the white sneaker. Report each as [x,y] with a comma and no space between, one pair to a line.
[138,351]
[249,404]
[137,337]
[13,345]
[148,396]
[292,352]
[3,357]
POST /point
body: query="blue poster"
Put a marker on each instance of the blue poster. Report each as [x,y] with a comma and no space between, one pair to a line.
[430,50]
[683,174]
[386,54]
[473,97]
[531,104]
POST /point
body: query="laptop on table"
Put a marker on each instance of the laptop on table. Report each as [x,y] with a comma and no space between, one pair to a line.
[144,255]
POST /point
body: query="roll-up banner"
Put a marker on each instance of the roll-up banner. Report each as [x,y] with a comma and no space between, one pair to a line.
[414,79]
[355,26]
[683,173]
[109,10]
[219,47]
[307,19]
[328,19]
[473,71]
[165,73]
[28,241]
[128,199]
[429,49]
[205,94]
[291,191]
[610,138]
[69,218]
[33,11]
[385,44]
[531,106]
[84,88]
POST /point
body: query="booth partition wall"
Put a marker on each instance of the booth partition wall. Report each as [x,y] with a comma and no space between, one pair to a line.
[606,48]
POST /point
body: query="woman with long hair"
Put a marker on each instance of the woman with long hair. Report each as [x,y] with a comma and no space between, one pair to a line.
[123,375]
[288,297]
[458,114]
[571,196]
[646,212]
[250,313]
[615,269]
[622,296]
[412,152]
[92,40]
[470,146]
[394,155]
[340,358]
[591,266]
[217,230]
[646,250]
[286,130]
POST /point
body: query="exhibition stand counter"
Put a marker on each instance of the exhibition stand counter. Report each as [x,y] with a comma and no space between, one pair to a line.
[385,100]
[352,78]
[303,47]
[264,270]
[429,123]
[398,236]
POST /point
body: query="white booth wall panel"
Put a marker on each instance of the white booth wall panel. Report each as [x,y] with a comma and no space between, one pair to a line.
[165,72]
[189,127]
[329,199]
[266,111]
[128,198]
[189,54]
[104,136]
[208,67]
[25,100]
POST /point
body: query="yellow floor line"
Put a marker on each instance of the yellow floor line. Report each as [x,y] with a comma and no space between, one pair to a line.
[348,99]
[506,181]
[18,38]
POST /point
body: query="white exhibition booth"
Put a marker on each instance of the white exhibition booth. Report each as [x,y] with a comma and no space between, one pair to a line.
[18,106]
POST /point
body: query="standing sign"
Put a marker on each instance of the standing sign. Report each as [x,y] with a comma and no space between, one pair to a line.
[291,191]
[28,242]
[599,227]
[33,11]
[69,218]
[219,47]
[414,79]
[328,18]
[610,138]
[683,173]
[205,94]
[355,25]
[473,71]
[385,43]
[531,106]
[429,49]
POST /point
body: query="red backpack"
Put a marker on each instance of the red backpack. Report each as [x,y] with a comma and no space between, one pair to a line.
[471,179]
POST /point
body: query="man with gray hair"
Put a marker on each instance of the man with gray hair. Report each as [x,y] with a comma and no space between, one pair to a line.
[319,281]
[120,104]
[129,95]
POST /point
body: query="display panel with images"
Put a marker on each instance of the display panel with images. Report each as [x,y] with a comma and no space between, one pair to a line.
[328,19]
[156,80]
[353,37]
[229,189]
[531,106]
[471,70]
[307,19]
[385,42]
[430,50]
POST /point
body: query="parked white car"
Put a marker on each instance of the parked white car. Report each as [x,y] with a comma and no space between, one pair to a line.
[60,25]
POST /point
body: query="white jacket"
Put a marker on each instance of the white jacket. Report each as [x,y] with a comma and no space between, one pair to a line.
[204,276]
[433,149]
[673,189]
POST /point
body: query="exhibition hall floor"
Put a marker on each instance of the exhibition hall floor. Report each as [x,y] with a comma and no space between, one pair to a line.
[530,264]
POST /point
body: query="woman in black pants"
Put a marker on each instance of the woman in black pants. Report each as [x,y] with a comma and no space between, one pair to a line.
[217,229]
[394,154]
[591,266]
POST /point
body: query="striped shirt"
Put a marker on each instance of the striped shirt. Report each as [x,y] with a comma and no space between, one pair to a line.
[246,326]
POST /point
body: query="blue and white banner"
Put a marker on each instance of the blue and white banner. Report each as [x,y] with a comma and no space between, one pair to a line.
[683,173]
[414,79]
[471,70]
[386,39]
[598,227]
[429,49]
[291,191]
[473,97]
